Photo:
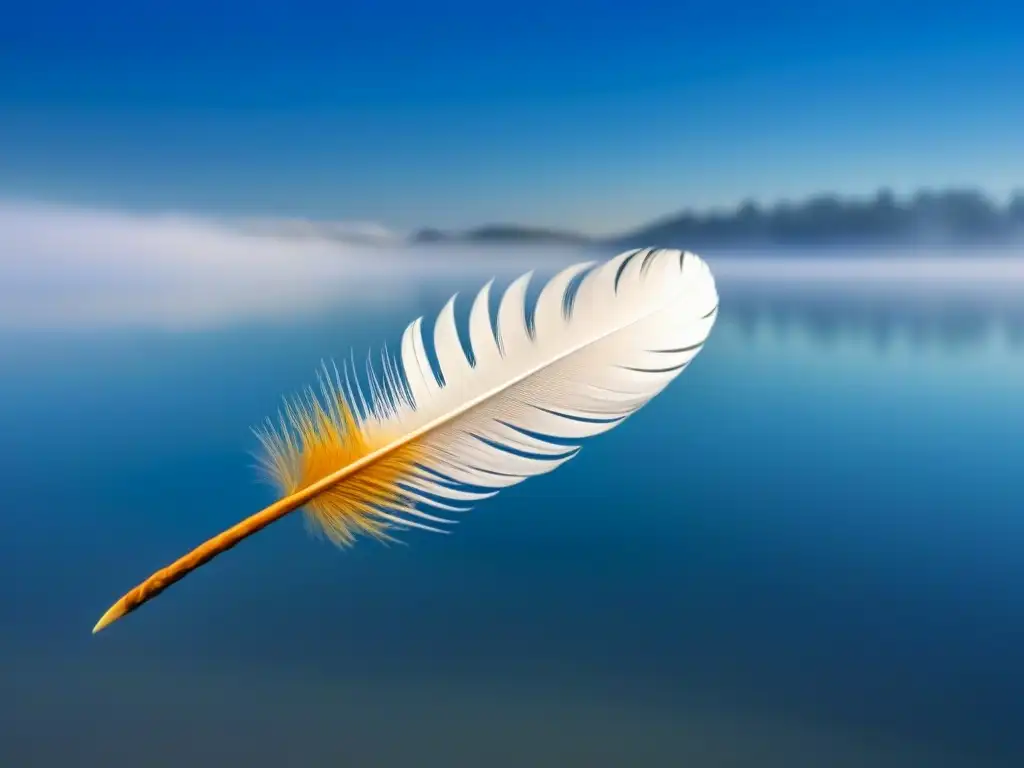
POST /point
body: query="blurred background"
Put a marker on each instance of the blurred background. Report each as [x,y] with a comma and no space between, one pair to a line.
[806,552]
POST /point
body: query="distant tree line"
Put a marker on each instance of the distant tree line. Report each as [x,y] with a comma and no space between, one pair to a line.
[958,216]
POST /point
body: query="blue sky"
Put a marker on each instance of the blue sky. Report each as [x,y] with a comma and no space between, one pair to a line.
[592,115]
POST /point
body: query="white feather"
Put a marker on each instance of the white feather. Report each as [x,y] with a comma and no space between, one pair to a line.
[531,392]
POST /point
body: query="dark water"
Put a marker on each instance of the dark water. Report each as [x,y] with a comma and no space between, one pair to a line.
[807,552]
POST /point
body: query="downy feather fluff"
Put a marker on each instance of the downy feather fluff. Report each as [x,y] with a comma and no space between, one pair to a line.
[423,444]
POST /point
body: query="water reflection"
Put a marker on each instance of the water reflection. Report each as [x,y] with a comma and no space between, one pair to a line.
[914,313]
[947,326]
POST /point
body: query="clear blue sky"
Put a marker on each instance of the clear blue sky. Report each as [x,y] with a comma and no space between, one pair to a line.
[594,115]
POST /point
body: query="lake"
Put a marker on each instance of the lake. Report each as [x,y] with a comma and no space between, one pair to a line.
[805,552]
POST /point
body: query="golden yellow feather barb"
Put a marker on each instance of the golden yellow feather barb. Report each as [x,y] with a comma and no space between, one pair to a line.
[599,344]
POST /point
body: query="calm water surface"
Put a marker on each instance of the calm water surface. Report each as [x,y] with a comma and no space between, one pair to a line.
[806,552]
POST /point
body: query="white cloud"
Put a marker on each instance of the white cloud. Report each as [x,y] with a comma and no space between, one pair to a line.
[72,267]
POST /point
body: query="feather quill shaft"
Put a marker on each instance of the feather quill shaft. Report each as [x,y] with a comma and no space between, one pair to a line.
[425,438]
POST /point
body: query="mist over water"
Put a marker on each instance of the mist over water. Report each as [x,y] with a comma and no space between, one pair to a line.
[80,268]
[804,553]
